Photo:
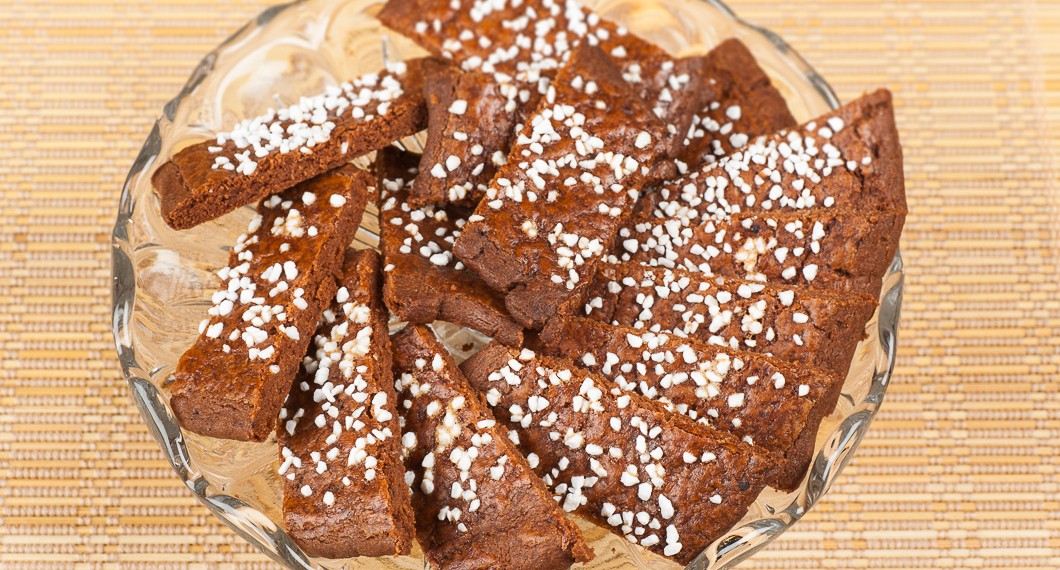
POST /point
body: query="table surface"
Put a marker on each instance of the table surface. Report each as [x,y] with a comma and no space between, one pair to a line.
[958,471]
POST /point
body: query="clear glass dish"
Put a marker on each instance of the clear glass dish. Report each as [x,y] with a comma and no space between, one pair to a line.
[163,279]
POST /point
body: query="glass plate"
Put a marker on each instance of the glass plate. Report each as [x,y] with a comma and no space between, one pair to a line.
[163,279]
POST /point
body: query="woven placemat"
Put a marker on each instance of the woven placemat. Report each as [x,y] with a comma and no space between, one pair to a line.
[959,470]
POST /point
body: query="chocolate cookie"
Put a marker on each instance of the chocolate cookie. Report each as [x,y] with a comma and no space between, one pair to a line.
[571,179]
[657,478]
[283,147]
[815,327]
[478,503]
[832,249]
[850,158]
[344,491]
[763,400]
[280,277]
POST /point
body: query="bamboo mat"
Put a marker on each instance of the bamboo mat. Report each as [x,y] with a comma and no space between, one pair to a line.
[959,470]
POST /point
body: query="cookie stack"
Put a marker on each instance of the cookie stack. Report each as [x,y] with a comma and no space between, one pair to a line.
[675,275]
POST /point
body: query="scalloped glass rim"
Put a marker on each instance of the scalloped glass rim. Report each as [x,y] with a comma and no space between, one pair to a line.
[833,450]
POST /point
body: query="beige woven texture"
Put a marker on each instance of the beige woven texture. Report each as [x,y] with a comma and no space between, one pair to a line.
[958,471]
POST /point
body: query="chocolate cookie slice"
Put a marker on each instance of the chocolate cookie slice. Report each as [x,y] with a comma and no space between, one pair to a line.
[524,44]
[478,503]
[423,282]
[470,124]
[571,179]
[657,478]
[764,400]
[812,327]
[850,158]
[270,153]
[280,276]
[344,491]
[746,105]
[521,46]
[836,249]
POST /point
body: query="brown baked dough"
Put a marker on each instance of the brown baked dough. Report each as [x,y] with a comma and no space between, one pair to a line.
[571,179]
[763,400]
[514,74]
[271,153]
[850,158]
[821,249]
[470,125]
[815,327]
[617,458]
[423,282]
[746,105]
[280,276]
[344,491]
[478,504]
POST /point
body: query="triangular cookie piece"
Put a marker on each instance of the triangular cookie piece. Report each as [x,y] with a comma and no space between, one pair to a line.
[850,158]
[834,249]
[655,477]
[746,106]
[344,491]
[270,153]
[280,277]
[478,503]
[763,400]
[571,179]
[470,126]
[812,327]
